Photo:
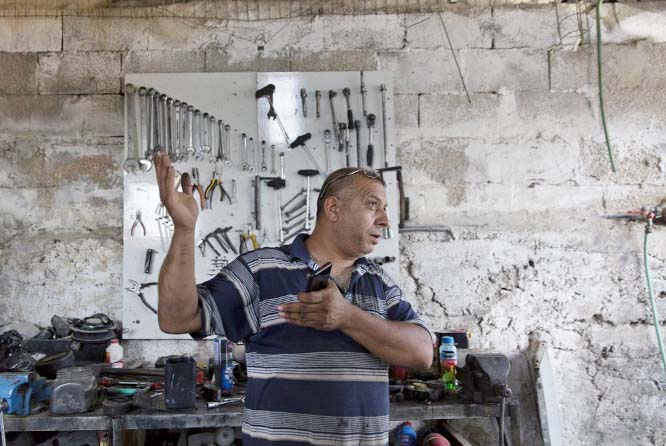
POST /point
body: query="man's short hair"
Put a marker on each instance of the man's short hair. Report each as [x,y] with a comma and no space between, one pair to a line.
[341,179]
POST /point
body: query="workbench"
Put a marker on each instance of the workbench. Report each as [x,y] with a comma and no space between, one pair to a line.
[231,415]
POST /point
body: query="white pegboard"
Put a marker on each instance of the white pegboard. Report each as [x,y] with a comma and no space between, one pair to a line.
[231,98]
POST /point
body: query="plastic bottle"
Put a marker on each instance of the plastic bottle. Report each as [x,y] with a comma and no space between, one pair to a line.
[406,435]
[114,354]
[448,360]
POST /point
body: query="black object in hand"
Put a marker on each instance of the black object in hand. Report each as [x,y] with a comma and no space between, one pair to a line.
[319,280]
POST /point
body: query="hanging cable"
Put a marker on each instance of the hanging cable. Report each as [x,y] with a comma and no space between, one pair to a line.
[655,317]
[601,88]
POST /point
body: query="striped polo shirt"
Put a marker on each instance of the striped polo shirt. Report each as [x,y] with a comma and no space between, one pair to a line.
[305,386]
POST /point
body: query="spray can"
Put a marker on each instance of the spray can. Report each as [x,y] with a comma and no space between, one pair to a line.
[224,365]
[406,435]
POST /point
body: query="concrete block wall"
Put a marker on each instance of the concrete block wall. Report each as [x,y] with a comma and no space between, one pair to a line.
[520,174]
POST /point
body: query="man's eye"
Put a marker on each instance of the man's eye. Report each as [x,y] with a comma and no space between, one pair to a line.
[372,204]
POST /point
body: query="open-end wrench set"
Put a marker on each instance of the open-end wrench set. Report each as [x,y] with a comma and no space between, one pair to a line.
[257,147]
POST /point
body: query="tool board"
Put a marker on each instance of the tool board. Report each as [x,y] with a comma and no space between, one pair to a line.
[230,98]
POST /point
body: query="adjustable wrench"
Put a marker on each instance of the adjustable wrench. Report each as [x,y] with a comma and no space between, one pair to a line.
[336,127]
[267,92]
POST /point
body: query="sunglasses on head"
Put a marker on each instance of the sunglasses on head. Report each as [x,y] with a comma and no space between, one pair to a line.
[367,171]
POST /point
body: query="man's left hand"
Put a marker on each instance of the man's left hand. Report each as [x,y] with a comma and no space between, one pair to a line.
[322,310]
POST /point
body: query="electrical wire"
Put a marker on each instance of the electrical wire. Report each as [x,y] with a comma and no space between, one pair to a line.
[655,317]
[601,88]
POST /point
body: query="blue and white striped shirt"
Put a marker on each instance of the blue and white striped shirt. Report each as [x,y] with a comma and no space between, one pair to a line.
[305,386]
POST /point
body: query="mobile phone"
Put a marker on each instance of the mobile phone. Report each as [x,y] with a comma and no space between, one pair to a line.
[319,279]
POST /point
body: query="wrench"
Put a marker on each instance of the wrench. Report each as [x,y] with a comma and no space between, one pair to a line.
[295,216]
[143,121]
[251,162]
[293,226]
[291,200]
[345,131]
[144,156]
[175,130]
[273,171]
[357,127]
[364,93]
[150,123]
[227,145]
[244,165]
[205,141]
[295,208]
[131,164]
[196,133]
[169,126]
[336,127]
[327,144]
[220,147]
[350,116]
[163,126]
[263,156]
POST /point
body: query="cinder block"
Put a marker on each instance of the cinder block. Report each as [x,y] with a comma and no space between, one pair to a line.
[180,34]
[453,115]
[634,66]
[525,27]
[164,62]
[104,34]
[467,28]
[66,274]
[41,162]
[30,34]
[334,61]
[422,71]
[517,70]
[19,73]
[221,61]
[378,32]
[62,115]
[79,73]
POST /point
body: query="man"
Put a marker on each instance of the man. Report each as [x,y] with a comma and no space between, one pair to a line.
[317,362]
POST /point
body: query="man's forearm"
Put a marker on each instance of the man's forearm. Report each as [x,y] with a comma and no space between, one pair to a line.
[178,307]
[397,343]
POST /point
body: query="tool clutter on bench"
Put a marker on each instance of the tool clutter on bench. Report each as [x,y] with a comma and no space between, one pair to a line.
[257,160]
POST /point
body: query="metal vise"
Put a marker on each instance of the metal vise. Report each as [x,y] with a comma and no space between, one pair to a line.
[19,390]
[485,378]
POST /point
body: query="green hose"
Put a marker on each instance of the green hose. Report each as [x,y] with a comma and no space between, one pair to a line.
[648,229]
[601,88]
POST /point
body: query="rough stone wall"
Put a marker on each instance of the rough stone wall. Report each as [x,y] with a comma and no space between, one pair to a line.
[520,175]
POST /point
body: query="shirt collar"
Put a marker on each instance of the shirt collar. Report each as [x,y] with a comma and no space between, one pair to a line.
[298,251]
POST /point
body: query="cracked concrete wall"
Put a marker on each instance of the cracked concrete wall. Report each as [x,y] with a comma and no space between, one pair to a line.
[520,175]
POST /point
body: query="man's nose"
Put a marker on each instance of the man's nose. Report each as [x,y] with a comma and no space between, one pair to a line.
[382,219]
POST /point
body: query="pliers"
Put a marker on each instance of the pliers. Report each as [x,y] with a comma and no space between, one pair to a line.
[216,181]
[136,287]
[137,221]
[197,185]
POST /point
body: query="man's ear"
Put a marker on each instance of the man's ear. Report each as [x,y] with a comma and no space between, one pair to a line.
[332,208]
